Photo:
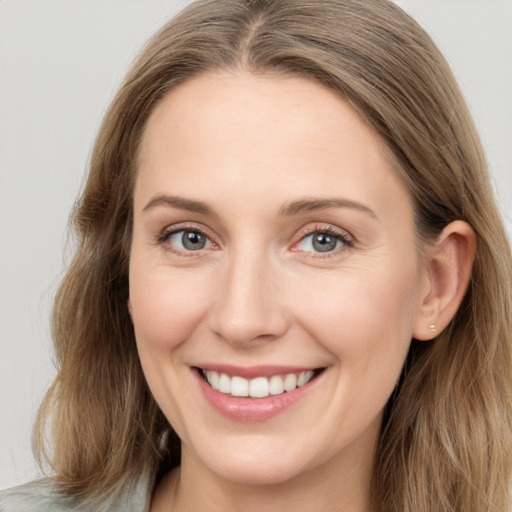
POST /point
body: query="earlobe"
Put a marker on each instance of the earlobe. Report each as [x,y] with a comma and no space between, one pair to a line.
[448,271]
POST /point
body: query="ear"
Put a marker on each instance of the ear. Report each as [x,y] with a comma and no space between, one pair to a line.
[448,271]
[129,305]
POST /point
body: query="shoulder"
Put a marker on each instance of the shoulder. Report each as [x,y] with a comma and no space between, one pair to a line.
[45,496]
[40,496]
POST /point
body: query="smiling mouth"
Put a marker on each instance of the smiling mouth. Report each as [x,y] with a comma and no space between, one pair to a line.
[259,387]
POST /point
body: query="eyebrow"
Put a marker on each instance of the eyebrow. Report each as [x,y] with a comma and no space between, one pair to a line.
[180,203]
[310,205]
[290,209]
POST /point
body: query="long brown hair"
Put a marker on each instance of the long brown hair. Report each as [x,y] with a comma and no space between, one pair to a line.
[446,442]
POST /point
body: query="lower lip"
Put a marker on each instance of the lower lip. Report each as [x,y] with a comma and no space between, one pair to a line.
[252,409]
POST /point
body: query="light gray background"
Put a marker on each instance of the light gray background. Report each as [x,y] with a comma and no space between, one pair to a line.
[60,62]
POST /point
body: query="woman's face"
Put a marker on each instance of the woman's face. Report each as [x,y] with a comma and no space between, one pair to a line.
[274,255]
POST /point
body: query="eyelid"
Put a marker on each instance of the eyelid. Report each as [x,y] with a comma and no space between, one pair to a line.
[164,235]
[341,234]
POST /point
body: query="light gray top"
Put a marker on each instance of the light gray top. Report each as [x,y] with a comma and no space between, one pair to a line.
[44,496]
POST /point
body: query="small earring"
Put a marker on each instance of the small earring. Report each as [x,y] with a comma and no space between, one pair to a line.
[432,327]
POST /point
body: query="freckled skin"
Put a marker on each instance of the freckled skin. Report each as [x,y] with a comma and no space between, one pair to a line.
[258,293]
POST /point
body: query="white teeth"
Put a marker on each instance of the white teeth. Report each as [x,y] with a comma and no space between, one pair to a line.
[239,386]
[259,387]
[213,379]
[304,378]
[290,382]
[224,383]
[276,386]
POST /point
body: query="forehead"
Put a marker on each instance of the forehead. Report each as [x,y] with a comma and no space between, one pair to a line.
[222,131]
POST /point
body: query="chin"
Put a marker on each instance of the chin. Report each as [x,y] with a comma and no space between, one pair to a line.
[258,472]
[257,461]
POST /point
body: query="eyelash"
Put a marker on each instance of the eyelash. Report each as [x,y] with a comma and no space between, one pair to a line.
[164,237]
[346,240]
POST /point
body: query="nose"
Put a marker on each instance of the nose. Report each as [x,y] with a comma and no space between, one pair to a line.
[248,307]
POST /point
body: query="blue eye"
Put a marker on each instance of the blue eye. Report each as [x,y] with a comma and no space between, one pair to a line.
[189,240]
[319,241]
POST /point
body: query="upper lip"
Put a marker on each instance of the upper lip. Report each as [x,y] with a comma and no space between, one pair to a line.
[251,372]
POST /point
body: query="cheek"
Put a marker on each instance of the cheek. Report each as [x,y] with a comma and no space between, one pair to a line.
[365,319]
[166,306]
[366,326]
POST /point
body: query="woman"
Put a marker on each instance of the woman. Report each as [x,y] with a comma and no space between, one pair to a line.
[292,288]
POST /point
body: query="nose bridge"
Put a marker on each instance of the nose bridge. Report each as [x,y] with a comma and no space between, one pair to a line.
[248,305]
